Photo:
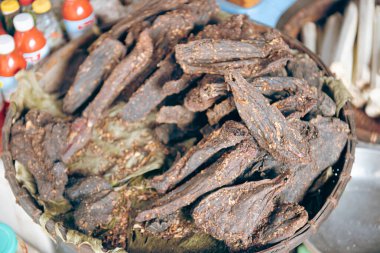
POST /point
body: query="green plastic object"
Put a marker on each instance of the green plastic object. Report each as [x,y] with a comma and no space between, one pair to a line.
[302,249]
[8,239]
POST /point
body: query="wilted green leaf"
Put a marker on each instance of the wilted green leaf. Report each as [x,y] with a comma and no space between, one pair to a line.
[30,95]
[340,93]
[25,178]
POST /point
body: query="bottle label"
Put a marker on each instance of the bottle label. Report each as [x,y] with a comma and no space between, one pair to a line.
[8,85]
[77,28]
[35,57]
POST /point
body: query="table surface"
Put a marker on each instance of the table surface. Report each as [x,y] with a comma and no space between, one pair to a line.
[267,12]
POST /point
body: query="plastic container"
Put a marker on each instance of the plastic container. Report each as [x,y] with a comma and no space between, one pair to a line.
[78,17]
[47,22]
[11,243]
[9,8]
[26,5]
[29,40]
[11,61]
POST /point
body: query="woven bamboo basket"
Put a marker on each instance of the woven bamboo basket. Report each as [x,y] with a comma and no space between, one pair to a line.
[291,23]
[331,191]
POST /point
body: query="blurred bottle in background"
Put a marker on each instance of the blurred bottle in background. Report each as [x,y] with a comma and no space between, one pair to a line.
[47,23]
[11,62]
[26,5]
[2,31]
[78,17]
[29,40]
[9,9]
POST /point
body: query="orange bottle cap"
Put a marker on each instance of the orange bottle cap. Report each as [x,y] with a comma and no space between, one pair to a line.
[23,22]
[26,2]
[7,44]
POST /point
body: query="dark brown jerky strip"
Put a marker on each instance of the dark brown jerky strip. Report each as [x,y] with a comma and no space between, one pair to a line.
[124,73]
[219,111]
[87,187]
[229,29]
[209,51]
[282,224]
[209,90]
[250,68]
[177,114]
[96,68]
[134,32]
[296,106]
[325,151]
[136,13]
[234,214]
[148,96]
[326,105]
[99,206]
[223,172]
[230,134]
[304,67]
[266,123]
[166,32]
[36,145]
[279,87]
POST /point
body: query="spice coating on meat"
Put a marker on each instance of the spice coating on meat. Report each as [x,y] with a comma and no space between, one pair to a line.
[235,214]
[95,69]
[223,172]
[267,125]
[230,134]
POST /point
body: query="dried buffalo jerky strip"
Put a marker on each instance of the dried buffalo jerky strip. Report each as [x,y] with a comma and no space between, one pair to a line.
[209,90]
[219,111]
[136,13]
[266,123]
[305,68]
[87,187]
[36,144]
[148,96]
[234,214]
[125,72]
[230,134]
[95,69]
[325,150]
[282,224]
[224,171]
[252,58]
[177,114]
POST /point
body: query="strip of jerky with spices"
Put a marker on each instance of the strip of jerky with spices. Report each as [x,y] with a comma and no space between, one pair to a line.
[229,135]
[325,150]
[221,213]
[224,171]
[125,72]
[153,44]
[148,96]
[136,13]
[219,111]
[266,123]
[248,67]
[208,91]
[95,69]
[283,223]
[177,114]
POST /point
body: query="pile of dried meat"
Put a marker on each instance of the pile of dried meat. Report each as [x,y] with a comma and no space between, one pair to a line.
[183,133]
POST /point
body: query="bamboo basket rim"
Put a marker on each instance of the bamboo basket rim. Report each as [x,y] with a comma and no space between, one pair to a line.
[26,201]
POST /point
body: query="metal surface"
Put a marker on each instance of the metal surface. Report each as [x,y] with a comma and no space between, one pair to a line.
[354,226]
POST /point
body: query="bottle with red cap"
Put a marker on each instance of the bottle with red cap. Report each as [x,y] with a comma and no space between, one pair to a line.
[29,40]
[11,61]
[26,5]
[78,17]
